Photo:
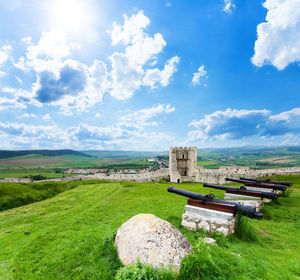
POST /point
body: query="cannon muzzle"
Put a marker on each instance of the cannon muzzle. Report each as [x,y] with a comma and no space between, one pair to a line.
[258,184]
[243,191]
[248,211]
[268,181]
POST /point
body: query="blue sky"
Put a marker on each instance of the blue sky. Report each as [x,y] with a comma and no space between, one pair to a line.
[147,75]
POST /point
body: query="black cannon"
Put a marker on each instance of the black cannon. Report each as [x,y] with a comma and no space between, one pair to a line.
[258,184]
[243,191]
[268,181]
[248,211]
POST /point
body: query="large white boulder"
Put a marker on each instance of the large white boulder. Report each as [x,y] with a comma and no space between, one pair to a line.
[151,240]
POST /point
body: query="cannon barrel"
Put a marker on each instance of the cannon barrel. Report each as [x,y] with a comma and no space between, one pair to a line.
[243,191]
[248,211]
[258,184]
[268,181]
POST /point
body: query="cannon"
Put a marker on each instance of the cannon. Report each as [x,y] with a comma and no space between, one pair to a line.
[243,191]
[258,184]
[268,181]
[248,211]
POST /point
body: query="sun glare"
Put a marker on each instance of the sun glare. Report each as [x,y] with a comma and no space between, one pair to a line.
[73,16]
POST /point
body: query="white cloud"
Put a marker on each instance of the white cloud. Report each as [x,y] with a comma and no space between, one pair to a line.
[199,77]
[20,64]
[128,133]
[19,79]
[47,117]
[125,79]
[278,39]
[20,135]
[140,119]
[168,4]
[97,115]
[5,53]
[154,77]
[291,140]
[288,116]
[234,124]
[48,53]
[229,6]
[131,30]
[129,70]
[8,90]
[8,103]
[19,100]
[228,124]
[27,40]
[27,116]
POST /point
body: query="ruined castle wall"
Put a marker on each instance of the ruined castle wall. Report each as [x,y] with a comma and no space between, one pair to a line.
[143,177]
[217,176]
[183,168]
[183,164]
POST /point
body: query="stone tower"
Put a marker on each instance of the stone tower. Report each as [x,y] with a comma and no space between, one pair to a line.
[183,164]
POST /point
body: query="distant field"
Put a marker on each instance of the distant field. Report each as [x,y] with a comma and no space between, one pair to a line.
[285,159]
[204,163]
[254,157]
[32,161]
[209,164]
[53,167]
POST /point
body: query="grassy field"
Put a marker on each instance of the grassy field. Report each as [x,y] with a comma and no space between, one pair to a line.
[71,235]
[53,167]
[254,157]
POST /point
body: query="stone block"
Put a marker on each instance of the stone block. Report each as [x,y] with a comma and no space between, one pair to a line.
[204,225]
[233,196]
[208,213]
[208,220]
[189,225]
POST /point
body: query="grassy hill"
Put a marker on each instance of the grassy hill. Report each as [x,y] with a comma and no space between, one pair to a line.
[9,154]
[71,235]
[255,157]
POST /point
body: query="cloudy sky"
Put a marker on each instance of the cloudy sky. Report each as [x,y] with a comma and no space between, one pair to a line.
[146,75]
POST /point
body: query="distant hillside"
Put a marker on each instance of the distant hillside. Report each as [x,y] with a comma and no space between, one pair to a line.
[122,154]
[9,154]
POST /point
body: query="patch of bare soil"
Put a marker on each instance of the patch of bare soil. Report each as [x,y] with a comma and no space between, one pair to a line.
[284,159]
[32,161]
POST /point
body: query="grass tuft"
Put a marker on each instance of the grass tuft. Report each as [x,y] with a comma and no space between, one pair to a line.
[244,230]
[144,271]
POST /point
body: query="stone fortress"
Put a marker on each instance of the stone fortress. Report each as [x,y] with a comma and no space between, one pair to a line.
[183,168]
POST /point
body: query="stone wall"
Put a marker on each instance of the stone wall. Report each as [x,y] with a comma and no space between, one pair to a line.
[141,177]
[217,176]
[183,168]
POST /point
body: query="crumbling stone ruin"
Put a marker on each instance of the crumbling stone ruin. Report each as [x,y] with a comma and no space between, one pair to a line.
[183,168]
[183,164]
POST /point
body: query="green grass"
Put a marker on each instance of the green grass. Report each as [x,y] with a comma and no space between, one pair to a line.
[14,195]
[71,235]
[49,173]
